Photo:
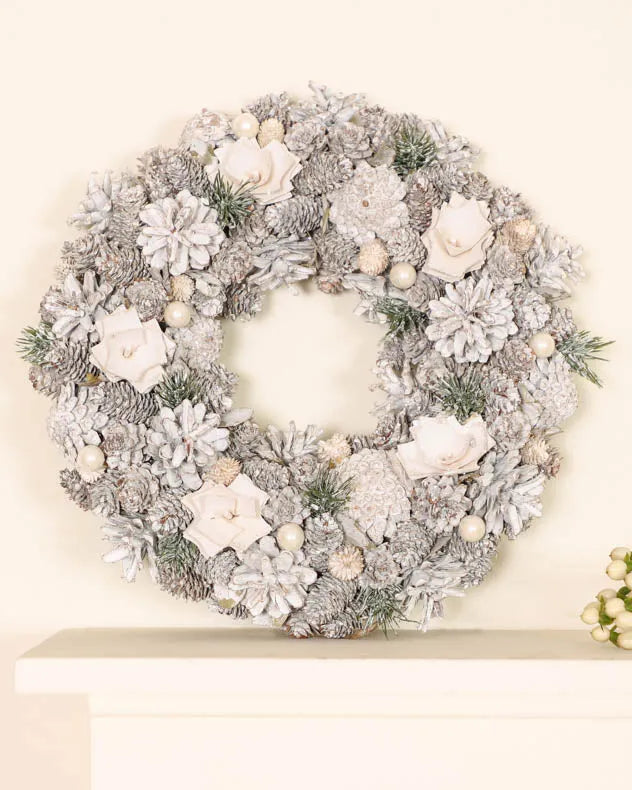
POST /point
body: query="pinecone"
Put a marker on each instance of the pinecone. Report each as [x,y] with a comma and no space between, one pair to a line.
[477,186]
[233,262]
[379,124]
[254,229]
[45,380]
[224,471]
[341,627]
[122,402]
[167,171]
[168,515]
[218,569]
[266,475]
[404,246]
[323,173]
[330,282]
[323,535]
[80,255]
[271,105]
[350,139]
[515,358]
[336,254]
[296,216]
[121,266]
[243,301]
[148,297]
[124,225]
[447,178]
[326,600]
[411,544]
[69,360]
[76,489]
[421,198]
[506,205]
[102,495]
[176,563]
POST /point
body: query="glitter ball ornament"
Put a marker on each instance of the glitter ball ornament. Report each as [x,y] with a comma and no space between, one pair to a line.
[372,258]
[177,314]
[224,471]
[346,563]
[269,130]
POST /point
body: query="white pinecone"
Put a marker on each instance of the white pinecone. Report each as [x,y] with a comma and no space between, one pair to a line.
[296,216]
[73,307]
[380,569]
[506,205]
[505,267]
[515,358]
[95,210]
[75,420]
[439,503]
[531,310]
[122,401]
[148,297]
[411,544]
[322,173]
[200,342]
[421,198]
[510,430]
[123,444]
[305,137]
[553,263]
[137,490]
[404,246]
[234,262]
[286,505]
[351,140]
[471,321]
[335,253]
[552,388]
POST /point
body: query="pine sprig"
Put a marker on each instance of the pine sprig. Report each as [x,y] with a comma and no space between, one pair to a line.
[414,149]
[379,608]
[579,350]
[177,387]
[328,492]
[34,343]
[400,316]
[461,395]
[232,204]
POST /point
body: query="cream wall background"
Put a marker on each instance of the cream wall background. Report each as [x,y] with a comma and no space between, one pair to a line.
[542,86]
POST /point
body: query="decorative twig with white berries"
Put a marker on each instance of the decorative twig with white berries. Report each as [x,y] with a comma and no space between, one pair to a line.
[611,613]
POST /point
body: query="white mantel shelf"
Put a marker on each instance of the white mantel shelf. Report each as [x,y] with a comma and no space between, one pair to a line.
[241,708]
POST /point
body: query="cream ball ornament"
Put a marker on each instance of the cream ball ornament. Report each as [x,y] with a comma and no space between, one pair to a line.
[620,552]
[403,276]
[600,634]
[624,640]
[623,620]
[472,529]
[91,457]
[177,315]
[245,125]
[290,536]
[542,345]
[590,615]
[614,606]
[617,570]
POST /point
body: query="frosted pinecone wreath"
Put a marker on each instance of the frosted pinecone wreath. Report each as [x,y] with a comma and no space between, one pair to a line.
[320,535]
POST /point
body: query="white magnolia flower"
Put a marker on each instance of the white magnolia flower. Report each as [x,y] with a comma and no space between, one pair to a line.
[442,446]
[130,349]
[457,238]
[181,233]
[269,170]
[226,516]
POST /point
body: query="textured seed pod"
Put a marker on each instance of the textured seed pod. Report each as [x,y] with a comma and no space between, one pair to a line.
[224,471]
[372,258]
[269,130]
[346,563]
[520,234]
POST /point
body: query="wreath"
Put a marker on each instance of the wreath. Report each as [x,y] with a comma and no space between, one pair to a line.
[321,535]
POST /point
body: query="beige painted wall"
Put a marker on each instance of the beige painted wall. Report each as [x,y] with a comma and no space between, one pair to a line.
[542,86]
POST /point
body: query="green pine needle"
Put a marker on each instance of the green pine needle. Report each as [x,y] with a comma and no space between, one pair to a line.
[177,387]
[328,492]
[177,553]
[34,343]
[579,350]
[379,608]
[462,395]
[414,149]
[400,316]
[232,204]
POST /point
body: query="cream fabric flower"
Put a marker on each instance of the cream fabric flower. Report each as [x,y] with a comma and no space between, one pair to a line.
[226,516]
[457,238]
[130,349]
[268,170]
[442,446]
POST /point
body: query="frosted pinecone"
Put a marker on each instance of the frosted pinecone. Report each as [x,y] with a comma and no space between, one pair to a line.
[182,288]
[245,439]
[410,544]
[346,563]
[180,233]
[243,301]
[137,490]
[404,246]
[95,210]
[538,452]
[167,514]
[328,106]
[351,140]
[451,149]
[477,186]
[305,137]
[501,392]
[205,130]
[504,267]
[422,197]
[272,105]
[123,402]
[133,543]
[323,535]
[102,496]
[200,343]
[124,225]
[341,627]
[561,324]
[75,420]
[378,500]
[254,229]
[70,361]
[168,171]
[552,388]
[506,493]
[322,173]
[122,265]
[515,358]
[327,600]
[447,178]
[425,289]
[477,557]
[370,204]
[148,297]
[73,307]
[379,124]
[286,446]
[296,216]
[471,321]
[271,583]
[531,310]
[218,569]
[267,475]
[209,297]
[182,441]
[217,386]
[286,505]
[123,444]
[506,205]
[303,470]
[380,569]
[177,566]
[76,488]
[330,282]
[233,262]
[510,430]
[284,262]
[553,263]
[79,255]
[336,254]
[439,503]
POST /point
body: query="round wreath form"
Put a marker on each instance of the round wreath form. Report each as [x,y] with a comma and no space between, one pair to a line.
[321,535]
